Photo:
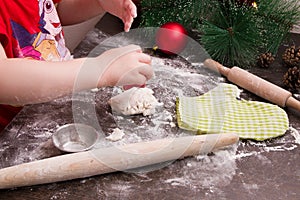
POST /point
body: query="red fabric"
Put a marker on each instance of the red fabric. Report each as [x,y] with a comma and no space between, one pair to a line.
[17,10]
[26,15]
[7,113]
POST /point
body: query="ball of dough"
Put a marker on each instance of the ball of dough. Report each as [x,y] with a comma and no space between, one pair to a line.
[134,101]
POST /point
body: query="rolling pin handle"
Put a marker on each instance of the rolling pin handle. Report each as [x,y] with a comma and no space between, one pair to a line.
[255,84]
[217,67]
[293,103]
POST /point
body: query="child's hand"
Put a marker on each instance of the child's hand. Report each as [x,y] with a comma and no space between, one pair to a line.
[133,67]
[124,9]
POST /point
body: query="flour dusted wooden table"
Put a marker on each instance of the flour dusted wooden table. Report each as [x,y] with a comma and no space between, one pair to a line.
[248,170]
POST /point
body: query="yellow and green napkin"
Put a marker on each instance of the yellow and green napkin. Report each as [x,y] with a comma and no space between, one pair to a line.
[221,110]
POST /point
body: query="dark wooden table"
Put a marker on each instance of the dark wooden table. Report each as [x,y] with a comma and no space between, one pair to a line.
[249,170]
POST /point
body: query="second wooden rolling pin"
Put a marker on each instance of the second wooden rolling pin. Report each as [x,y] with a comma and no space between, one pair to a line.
[255,84]
[111,159]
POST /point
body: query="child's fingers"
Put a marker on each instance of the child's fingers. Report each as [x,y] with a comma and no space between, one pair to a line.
[132,78]
[128,20]
[130,12]
[139,50]
[133,11]
[130,8]
[144,58]
[146,71]
[127,24]
[126,27]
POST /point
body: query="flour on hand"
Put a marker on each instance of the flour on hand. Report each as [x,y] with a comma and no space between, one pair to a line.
[134,101]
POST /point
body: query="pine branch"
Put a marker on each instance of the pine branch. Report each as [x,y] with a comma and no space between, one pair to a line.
[231,36]
[231,32]
[190,13]
[275,19]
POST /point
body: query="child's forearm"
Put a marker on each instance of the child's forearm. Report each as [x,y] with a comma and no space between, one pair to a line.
[25,81]
[76,11]
[28,81]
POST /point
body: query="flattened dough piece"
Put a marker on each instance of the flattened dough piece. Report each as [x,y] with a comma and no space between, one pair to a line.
[134,101]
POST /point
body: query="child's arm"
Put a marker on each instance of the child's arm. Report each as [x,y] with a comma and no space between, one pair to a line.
[27,81]
[75,11]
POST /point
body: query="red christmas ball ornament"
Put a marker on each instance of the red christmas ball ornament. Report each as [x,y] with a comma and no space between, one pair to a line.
[171,38]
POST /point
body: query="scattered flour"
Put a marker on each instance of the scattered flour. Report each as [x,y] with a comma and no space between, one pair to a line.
[296,134]
[116,135]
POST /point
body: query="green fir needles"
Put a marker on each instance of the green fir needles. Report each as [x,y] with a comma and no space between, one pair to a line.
[233,32]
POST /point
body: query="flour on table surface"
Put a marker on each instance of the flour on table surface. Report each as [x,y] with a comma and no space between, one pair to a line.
[116,135]
[172,78]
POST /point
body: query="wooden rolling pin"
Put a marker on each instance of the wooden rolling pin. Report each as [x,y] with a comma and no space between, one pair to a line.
[255,84]
[106,160]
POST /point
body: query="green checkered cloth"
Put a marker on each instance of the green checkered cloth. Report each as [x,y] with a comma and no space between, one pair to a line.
[221,111]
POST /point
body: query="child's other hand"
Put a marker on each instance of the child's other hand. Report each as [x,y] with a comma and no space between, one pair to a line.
[131,68]
[124,9]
